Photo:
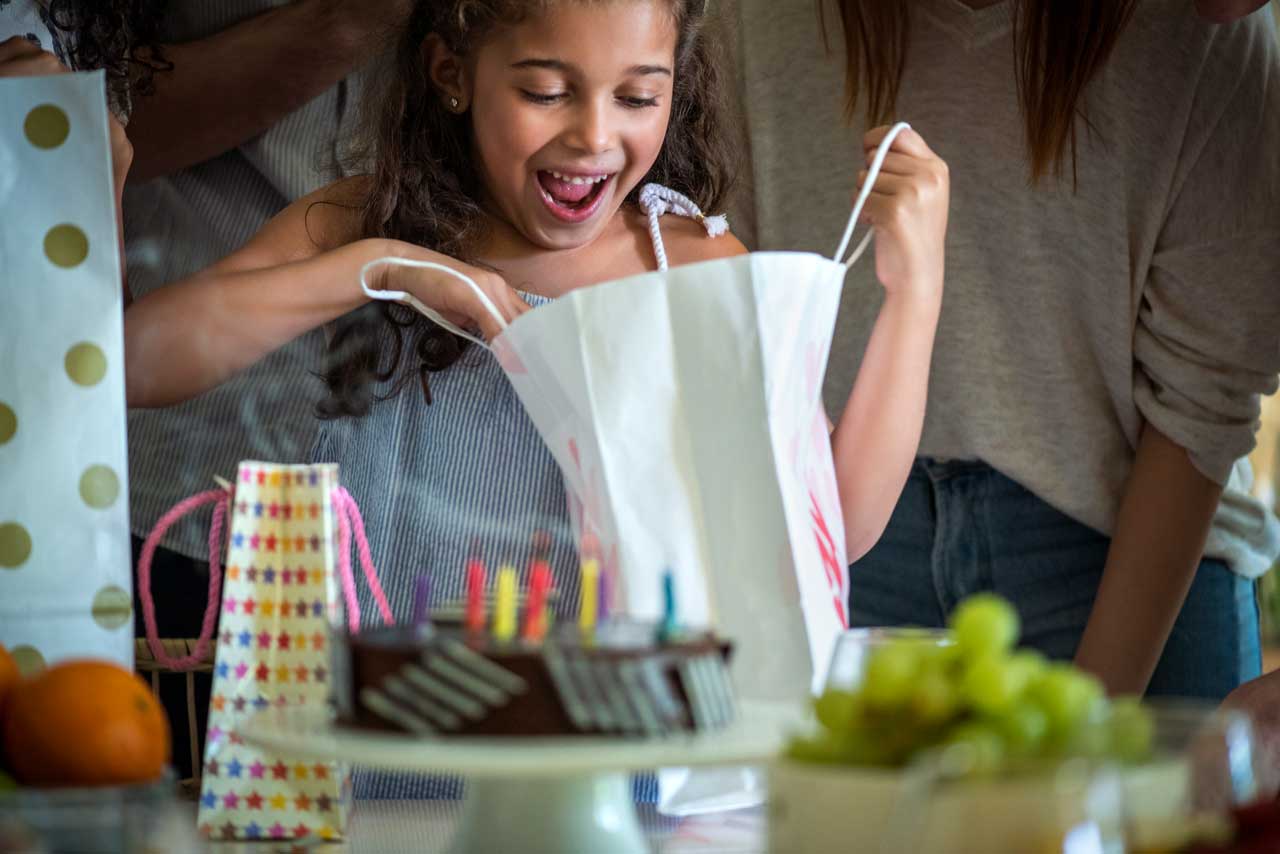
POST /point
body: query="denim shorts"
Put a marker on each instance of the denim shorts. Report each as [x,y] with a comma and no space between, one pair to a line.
[961,527]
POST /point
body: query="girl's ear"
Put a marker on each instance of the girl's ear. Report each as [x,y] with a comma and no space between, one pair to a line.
[448,74]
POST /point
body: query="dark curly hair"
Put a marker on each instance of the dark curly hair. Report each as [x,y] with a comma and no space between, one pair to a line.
[119,36]
[425,184]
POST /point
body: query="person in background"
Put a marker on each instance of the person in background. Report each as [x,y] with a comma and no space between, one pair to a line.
[1110,315]
[246,117]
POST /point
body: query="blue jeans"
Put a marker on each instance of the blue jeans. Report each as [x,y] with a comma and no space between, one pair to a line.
[961,527]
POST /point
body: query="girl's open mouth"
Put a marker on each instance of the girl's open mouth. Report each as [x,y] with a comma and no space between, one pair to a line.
[572,198]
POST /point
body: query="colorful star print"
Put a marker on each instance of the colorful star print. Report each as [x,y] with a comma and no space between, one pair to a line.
[278,801]
[244,638]
[209,799]
[324,803]
[253,801]
[241,670]
[277,831]
[269,575]
[234,768]
[256,769]
[252,830]
[302,802]
[280,771]
[230,800]
[211,768]
[321,771]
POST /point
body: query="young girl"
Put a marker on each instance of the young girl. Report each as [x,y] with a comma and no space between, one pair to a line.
[1111,313]
[512,144]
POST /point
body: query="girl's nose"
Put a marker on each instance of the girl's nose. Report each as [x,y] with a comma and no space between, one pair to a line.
[591,131]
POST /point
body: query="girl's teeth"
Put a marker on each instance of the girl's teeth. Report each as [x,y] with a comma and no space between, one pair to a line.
[577,179]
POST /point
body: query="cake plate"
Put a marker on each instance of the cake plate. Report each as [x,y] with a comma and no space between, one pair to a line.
[536,795]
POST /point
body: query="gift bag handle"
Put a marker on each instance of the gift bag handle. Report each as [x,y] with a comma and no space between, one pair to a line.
[655,200]
[221,500]
[349,520]
[423,309]
[872,173]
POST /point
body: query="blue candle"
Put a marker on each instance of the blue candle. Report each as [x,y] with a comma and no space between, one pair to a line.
[667,629]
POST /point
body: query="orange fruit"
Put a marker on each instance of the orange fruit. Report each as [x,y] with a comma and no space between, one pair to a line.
[9,677]
[85,723]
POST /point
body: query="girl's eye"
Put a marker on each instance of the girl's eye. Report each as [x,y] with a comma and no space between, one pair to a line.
[634,103]
[541,97]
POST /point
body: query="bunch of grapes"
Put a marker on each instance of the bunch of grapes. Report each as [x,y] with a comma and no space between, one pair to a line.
[1007,705]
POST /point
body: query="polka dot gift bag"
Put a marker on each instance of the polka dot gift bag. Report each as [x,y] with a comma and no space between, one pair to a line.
[288,532]
[65,577]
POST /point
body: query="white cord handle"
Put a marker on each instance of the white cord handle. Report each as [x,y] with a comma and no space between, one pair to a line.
[418,306]
[872,174]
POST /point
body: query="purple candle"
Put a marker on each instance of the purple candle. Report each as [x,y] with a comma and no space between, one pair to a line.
[422,601]
[604,597]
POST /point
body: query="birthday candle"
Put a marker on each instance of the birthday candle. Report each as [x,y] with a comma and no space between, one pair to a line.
[590,592]
[475,595]
[422,601]
[535,615]
[504,610]
[668,626]
[604,597]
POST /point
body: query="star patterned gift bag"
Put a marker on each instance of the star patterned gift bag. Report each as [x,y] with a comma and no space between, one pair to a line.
[290,535]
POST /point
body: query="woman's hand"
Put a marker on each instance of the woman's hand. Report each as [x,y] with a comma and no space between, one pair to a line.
[908,209]
[20,57]
[452,297]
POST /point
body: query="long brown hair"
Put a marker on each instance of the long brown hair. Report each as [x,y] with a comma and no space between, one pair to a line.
[425,184]
[1059,47]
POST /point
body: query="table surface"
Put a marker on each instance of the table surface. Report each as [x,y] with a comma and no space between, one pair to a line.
[425,827]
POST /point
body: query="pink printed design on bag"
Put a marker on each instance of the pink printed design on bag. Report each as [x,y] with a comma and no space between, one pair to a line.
[832,566]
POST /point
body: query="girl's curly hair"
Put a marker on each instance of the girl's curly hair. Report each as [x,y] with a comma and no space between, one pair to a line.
[119,36]
[425,184]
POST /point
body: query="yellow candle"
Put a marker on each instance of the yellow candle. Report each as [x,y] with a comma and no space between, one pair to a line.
[504,612]
[590,592]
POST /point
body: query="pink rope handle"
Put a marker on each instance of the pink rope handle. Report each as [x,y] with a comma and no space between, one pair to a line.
[348,518]
[221,500]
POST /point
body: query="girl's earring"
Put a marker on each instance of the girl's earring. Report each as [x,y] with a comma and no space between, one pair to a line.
[453,104]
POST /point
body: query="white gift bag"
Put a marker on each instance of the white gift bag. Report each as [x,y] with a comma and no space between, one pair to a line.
[65,577]
[684,408]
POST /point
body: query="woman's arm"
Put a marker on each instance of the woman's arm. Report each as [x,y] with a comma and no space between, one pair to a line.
[877,437]
[1164,520]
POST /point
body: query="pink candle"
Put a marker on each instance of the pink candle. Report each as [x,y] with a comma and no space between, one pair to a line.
[475,616]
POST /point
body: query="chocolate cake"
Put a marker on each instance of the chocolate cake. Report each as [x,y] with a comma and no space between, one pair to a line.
[621,680]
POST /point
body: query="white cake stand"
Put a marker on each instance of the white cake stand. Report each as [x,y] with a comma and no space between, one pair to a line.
[535,795]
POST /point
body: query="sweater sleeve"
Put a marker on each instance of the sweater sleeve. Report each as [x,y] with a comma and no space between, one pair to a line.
[1207,338]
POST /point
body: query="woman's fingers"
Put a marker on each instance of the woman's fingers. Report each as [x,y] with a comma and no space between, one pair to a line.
[906,142]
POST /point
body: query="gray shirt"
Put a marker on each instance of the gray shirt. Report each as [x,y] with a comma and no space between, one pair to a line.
[1149,294]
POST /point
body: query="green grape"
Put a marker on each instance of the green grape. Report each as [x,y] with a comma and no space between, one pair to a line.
[1069,697]
[986,746]
[984,624]
[1030,662]
[993,683]
[1132,730]
[890,676]
[819,748]
[842,748]
[1024,728]
[935,699]
[837,709]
